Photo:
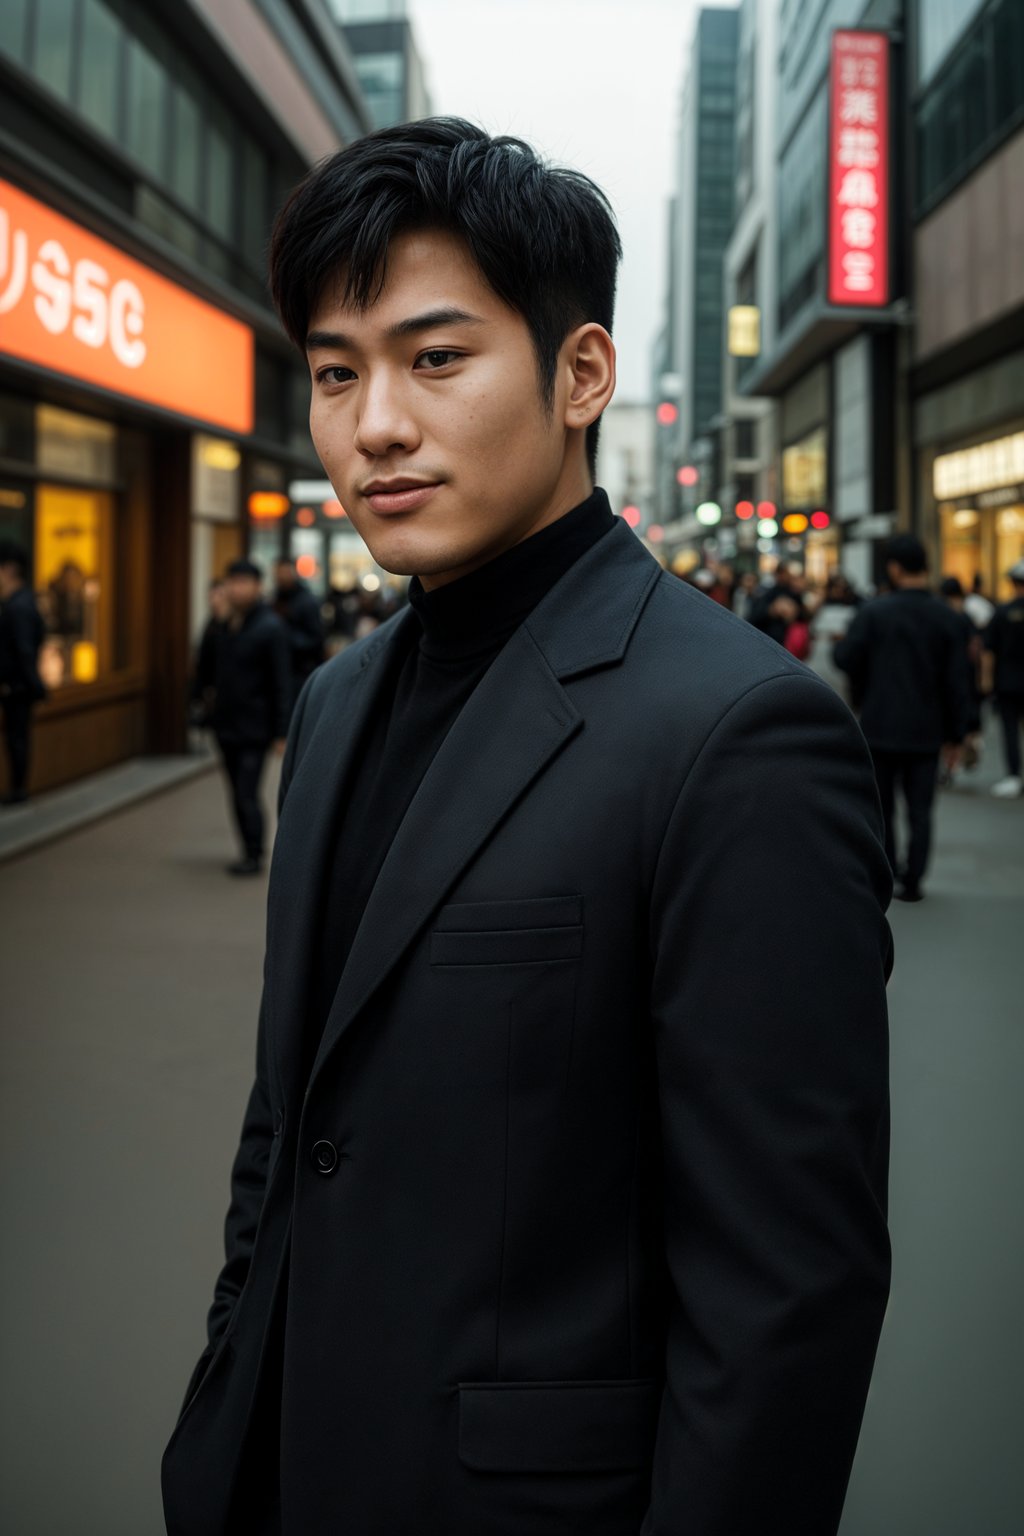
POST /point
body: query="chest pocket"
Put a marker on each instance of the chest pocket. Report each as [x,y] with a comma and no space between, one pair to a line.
[528,932]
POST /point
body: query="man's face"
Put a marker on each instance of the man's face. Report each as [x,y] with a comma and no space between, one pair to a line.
[242,591]
[285,576]
[10,579]
[427,416]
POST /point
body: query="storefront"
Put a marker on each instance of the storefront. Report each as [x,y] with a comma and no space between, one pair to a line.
[125,404]
[977,490]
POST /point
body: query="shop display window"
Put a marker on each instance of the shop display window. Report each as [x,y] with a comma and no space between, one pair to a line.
[74,583]
[1009,541]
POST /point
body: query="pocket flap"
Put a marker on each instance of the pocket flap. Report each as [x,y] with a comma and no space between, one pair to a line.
[528,912]
[558,1426]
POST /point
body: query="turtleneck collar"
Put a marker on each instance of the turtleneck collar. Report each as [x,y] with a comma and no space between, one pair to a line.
[479,612]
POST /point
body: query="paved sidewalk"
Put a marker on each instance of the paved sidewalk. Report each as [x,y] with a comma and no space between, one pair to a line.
[130,971]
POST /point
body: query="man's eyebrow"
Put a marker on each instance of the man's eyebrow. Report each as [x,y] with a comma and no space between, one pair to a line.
[446,315]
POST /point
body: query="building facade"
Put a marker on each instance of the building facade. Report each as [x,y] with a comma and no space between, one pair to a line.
[387,60]
[967,367]
[152,415]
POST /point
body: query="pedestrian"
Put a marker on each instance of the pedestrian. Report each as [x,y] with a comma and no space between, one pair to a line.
[781,608]
[252,700]
[1004,671]
[547,1214]
[746,594]
[203,691]
[21,636]
[299,611]
[979,608]
[952,594]
[829,623]
[907,664]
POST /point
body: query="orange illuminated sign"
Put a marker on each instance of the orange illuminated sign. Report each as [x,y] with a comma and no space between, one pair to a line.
[73,303]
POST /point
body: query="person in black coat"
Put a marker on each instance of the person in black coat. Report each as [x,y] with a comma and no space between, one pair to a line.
[252,699]
[779,606]
[299,611]
[909,671]
[551,1213]
[21,635]
[203,690]
[1004,667]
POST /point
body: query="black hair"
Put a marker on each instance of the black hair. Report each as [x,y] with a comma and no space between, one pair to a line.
[908,553]
[245,568]
[13,554]
[543,236]
[951,586]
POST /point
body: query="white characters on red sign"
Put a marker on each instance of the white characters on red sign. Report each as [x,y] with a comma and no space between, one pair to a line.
[858,271]
[858,189]
[859,106]
[73,294]
[858,147]
[859,228]
[859,70]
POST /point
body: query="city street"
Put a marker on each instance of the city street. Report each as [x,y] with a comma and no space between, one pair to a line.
[131,970]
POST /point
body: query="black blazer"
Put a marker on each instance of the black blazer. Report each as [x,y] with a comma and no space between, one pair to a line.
[910,675]
[585,1196]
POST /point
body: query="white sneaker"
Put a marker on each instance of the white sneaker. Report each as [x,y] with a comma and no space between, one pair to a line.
[1008,788]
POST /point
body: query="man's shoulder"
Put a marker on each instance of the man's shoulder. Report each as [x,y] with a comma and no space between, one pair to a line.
[345,666]
[694,659]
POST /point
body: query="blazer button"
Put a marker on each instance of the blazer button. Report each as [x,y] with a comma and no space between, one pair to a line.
[324,1156]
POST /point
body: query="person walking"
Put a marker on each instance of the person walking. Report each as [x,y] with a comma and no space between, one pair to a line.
[1004,672]
[546,1215]
[952,594]
[252,700]
[907,662]
[21,635]
[829,623]
[204,675]
[299,611]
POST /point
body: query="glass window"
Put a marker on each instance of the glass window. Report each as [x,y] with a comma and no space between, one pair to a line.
[254,219]
[147,109]
[1008,45]
[99,84]
[14,30]
[218,201]
[157,214]
[17,429]
[51,53]
[73,574]
[1009,548]
[70,444]
[186,146]
[940,23]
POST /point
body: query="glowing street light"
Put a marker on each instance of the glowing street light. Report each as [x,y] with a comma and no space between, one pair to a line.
[709,513]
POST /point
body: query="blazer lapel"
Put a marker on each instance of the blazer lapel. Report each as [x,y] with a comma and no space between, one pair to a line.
[309,818]
[515,722]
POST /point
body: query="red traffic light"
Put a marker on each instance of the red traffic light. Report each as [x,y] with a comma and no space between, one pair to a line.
[766,509]
[820,520]
[667,413]
[688,475]
[744,510]
[631,516]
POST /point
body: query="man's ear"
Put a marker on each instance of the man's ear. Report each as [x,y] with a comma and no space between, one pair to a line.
[589,356]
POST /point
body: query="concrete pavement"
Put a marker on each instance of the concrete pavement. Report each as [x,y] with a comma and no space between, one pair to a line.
[130,969]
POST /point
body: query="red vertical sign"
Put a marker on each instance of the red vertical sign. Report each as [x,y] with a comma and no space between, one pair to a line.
[858,213]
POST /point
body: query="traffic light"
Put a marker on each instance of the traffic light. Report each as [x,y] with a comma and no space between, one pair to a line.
[667,414]
[688,475]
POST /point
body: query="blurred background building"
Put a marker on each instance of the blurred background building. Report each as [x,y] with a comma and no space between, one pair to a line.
[152,415]
[844,415]
[387,60]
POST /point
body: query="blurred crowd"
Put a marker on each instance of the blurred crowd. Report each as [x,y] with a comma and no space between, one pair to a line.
[918,662]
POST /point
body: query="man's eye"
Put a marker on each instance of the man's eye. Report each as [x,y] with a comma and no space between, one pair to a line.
[335,375]
[437,357]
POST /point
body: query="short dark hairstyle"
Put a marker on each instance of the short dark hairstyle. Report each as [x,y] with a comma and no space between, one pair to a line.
[245,568]
[908,553]
[14,554]
[543,236]
[951,586]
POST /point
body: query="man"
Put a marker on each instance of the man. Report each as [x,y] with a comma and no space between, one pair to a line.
[1004,670]
[252,697]
[909,678]
[299,611]
[204,676]
[21,636]
[547,1215]
[781,605]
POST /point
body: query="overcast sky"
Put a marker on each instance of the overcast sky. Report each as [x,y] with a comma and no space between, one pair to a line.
[594,84]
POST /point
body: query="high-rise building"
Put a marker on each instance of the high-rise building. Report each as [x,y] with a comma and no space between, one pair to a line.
[967,364]
[152,415]
[388,63]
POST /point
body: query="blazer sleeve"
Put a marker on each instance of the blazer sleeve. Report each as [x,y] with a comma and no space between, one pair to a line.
[770,958]
[249,1170]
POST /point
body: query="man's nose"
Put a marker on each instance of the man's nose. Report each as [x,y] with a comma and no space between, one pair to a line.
[385,421]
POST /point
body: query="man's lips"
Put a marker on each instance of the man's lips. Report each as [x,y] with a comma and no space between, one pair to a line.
[403,498]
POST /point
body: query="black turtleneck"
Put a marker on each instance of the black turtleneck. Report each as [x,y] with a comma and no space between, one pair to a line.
[462,627]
